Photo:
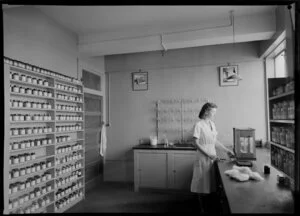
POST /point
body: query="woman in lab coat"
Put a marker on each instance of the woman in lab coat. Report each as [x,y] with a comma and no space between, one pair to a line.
[205,140]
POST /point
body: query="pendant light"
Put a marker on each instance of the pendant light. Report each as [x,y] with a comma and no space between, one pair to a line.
[235,76]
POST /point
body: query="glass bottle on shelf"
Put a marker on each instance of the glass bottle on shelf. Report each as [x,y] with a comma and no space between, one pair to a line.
[282,110]
[292,164]
[292,109]
[274,110]
[282,136]
[285,110]
[289,110]
[292,137]
[284,162]
[278,111]
[273,135]
[279,159]
[272,156]
[287,138]
[277,135]
[275,157]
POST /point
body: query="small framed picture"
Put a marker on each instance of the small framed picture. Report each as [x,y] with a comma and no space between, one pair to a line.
[140,81]
[227,75]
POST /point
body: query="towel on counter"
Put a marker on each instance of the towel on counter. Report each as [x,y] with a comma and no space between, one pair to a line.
[243,173]
[103,140]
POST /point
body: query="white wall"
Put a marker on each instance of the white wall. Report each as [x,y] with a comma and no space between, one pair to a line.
[33,37]
[181,73]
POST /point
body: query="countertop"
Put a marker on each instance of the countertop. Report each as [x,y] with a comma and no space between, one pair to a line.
[256,196]
[163,147]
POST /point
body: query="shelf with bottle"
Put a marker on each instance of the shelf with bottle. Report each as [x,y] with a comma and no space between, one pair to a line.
[68,89]
[283,160]
[68,149]
[19,188]
[283,147]
[69,98]
[31,148]
[25,79]
[74,199]
[68,82]
[69,159]
[30,131]
[65,191]
[69,166]
[282,95]
[29,171]
[15,161]
[78,172]
[28,203]
[67,181]
[68,108]
[30,105]
[25,145]
[19,90]
[35,71]
[77,141]
[284,88]
[43,209]
[18,65]
[33,96]
[284,110]
[283,136]
[68,128]
[30,118]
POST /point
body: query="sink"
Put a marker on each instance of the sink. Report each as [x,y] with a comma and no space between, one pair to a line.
[185,145]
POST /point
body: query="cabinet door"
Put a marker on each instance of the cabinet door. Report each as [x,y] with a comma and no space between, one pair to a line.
[181,167]
[151,169]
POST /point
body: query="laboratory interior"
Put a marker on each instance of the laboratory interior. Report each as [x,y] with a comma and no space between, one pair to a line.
[150,108]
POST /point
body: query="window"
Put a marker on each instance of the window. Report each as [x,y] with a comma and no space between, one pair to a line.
[280,65]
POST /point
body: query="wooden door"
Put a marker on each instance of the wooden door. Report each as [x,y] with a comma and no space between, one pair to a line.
[151,169]
[93,102]
[181,168]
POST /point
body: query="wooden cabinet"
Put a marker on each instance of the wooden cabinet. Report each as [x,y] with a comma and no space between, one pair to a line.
[152,169]
[281,125]
[165,169]
[181,169]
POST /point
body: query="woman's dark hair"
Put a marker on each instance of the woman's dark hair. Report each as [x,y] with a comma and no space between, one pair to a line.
[206,108]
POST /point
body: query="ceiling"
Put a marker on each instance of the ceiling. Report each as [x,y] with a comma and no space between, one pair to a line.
[109,30]
[99,19]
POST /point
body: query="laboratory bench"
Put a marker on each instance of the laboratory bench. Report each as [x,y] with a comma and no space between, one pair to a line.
[171,167]
[253,196]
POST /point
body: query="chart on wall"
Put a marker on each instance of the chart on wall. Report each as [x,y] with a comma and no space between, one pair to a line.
[176,118]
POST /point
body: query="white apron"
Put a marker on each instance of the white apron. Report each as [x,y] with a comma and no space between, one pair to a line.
[203,180]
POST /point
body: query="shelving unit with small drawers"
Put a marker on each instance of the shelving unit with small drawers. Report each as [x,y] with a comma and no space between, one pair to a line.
[44,140]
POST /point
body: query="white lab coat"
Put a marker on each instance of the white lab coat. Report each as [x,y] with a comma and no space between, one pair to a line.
[203,180]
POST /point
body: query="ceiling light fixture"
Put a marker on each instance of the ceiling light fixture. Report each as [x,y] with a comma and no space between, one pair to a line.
[162,44]
[235,75]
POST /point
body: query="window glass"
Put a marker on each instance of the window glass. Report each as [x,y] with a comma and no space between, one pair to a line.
[280,65]
[91,80]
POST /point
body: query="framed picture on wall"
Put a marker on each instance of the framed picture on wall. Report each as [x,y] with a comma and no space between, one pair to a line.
[228,75]
[140,81]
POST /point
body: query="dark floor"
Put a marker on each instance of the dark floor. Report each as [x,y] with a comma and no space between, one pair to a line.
[121,198]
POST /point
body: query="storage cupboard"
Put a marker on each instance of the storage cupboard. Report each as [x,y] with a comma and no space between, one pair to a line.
[164,169]
[282,125]
[43,141]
